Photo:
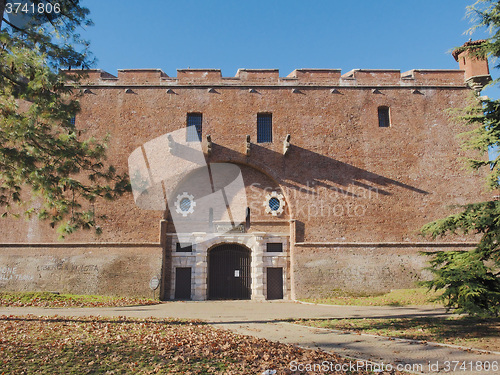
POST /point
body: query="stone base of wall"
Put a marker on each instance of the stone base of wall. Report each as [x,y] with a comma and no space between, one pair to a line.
[105,269]
[321,269]
[126,269]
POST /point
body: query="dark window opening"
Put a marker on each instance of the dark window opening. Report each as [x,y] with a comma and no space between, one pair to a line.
[183,247]
[185,204]
[274,204]
[264,127]
[247,218]
[383,117]
[194,127]
[274,247]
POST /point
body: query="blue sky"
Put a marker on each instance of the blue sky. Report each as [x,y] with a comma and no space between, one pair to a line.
[279,34]
[384,34]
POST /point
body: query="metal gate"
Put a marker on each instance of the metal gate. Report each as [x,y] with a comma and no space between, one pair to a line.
[229,272]
[183,283]
[274,283]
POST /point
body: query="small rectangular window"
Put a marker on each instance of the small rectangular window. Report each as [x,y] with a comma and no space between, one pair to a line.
[193,127]
[384,120]
[264,127]
[183,247]
[276,247]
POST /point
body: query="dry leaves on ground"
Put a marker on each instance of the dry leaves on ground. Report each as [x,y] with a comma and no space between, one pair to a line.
[57,345]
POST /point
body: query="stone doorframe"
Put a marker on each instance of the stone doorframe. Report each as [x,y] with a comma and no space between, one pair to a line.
[260,260]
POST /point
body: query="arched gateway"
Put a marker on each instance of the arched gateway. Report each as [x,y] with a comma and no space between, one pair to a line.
[235,247]
[229,272]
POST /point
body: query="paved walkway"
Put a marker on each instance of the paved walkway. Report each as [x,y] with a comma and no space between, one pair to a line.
[268,320]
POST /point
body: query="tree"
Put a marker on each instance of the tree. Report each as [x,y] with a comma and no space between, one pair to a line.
[470,280]
[47,168]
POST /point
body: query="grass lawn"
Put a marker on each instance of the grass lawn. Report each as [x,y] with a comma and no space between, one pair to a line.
[95,345]
[47,299]
[464,331]
[398,297]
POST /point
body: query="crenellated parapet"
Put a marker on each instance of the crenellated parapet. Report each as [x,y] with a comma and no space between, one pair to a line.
[473,72]
[377,77]
[258,75]
[198,75]
[141,76]
[271,77]
[313,75]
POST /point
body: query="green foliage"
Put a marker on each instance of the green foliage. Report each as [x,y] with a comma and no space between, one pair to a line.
[486,14]
[469,285]
[468,278]
[45,161]
[471,279]
[483,118]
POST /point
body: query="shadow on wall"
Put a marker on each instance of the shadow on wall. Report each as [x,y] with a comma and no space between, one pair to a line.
[303,171]
[301,168]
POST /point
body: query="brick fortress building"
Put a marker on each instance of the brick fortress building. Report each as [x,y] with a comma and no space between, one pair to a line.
[340,172]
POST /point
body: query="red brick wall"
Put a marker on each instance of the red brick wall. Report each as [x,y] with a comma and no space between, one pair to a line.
[345,179]
[388,182]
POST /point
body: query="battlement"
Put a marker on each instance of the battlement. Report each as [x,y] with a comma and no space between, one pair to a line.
[271,77]
[141,75]
[205,75]
[434,76]
[311,75]
[372,77]
[268,75]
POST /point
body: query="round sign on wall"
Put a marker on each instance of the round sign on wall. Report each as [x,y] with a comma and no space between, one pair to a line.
[154,283]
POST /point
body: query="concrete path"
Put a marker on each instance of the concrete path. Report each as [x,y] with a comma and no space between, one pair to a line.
[403,355]
[236,311]
[268,320]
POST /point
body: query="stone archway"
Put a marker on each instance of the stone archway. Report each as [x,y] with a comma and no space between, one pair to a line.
[188,246]
[229,272]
